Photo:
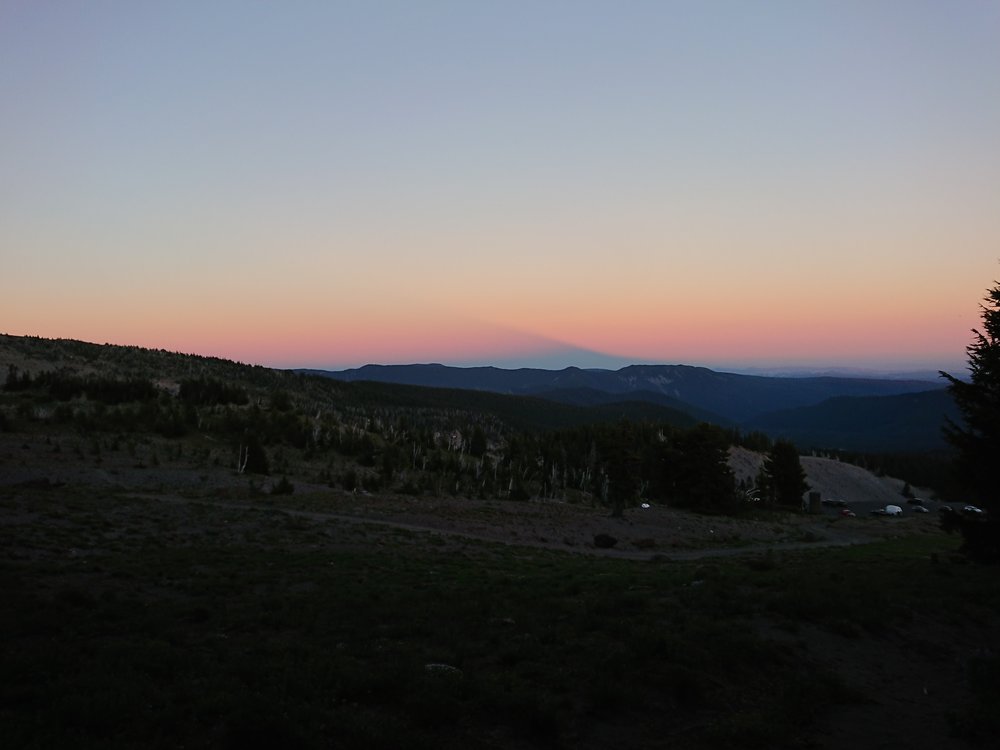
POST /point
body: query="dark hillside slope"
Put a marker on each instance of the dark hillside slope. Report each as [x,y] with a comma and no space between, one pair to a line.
[907,422]
[594,397]
[498,380]
[520,412]
[741,397]
[730,396]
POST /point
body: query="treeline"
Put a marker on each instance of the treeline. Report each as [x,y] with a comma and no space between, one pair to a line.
[934,470]
[209,392]
[628,462]
[358,443]
[414,449]
[65,386]
[138,362]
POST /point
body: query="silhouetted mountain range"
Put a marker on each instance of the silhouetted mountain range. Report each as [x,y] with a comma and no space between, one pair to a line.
[731,398]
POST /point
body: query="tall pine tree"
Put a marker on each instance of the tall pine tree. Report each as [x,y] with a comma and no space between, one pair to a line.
[978,439]
[785,478]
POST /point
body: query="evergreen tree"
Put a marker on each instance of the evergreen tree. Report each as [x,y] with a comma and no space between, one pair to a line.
[620,467]
[477,445]
[764,493]
[702,479]
[252,459]
[978,439]
[786,480]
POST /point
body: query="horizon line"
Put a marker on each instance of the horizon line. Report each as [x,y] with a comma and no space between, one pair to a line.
[777,369]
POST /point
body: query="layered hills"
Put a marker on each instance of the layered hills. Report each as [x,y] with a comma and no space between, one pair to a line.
[826,412]
[874,414]
[731,396]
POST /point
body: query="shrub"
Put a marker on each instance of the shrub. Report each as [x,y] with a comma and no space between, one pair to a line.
[283,487]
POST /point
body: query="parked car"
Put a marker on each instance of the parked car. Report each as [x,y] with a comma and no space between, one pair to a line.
[848,513]
[972,510]
[920,509]
[889,510]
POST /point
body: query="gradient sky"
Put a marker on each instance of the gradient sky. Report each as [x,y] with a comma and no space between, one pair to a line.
[731,184]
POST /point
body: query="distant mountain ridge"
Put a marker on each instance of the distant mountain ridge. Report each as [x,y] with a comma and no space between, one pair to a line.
[735,398]
[590,397]
[854,414]
[905,422]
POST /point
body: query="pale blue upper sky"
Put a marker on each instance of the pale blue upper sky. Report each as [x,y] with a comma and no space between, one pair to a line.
[566,171]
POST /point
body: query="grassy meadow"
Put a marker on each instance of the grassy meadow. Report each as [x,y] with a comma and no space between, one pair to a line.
[138,621]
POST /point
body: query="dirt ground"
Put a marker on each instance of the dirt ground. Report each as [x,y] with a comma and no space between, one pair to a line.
[643,533]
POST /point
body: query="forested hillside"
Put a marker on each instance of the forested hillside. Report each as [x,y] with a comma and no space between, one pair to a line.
[576,444]
[367,436]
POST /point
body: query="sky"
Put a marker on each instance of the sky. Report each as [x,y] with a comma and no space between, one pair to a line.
[519,183]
